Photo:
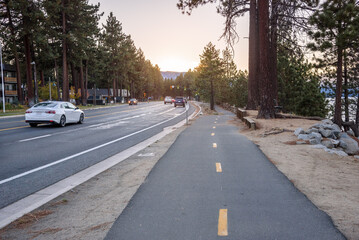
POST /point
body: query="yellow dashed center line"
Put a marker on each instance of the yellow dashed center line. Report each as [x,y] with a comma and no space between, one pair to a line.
[214,145]
[214,127]
[222,223]
[218,167]
[215,122]
[212,134]
[5,129]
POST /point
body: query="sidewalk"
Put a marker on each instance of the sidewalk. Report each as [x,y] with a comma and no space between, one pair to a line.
[214,183]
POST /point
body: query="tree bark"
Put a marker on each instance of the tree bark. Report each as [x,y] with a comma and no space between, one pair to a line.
[74,80]
[86,80]
[266,110]
[253,95]
[212,96]
[273,48]
[65,79]
[42,80]
[30,90]
[57,81]
[82,85]
[338,91]
[346,94]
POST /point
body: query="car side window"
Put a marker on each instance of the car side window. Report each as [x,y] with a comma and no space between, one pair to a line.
[71,106]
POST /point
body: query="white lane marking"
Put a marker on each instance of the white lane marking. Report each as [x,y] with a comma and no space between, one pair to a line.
[72,130]
[34,138]
[83,152]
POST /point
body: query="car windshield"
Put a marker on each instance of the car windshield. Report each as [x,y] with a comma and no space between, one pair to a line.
[133,99]
[46,104]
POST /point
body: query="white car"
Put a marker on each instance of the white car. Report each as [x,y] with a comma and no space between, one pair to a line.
[168,99]
[54,112]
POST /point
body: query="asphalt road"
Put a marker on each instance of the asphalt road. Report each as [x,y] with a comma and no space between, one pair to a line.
[34,158]
[214,183]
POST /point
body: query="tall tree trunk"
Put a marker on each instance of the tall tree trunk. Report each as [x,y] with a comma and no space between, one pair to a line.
[346,93]
[57,81]
[65,77]
[253,94]
[82,85]
[30,90]
[273,48]
[338,91]
[266,86]
[86,80]
[74,80]
[42,80]
[16,55]
[212,96]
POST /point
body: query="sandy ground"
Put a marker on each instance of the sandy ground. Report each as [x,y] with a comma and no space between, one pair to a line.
[330,181]
[89,210]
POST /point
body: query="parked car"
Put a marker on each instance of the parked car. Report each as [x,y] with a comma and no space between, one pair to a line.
[168,100]
[133,101]
[180,101]
[54,112]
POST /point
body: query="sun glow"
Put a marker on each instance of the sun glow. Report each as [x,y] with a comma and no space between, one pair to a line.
[176,65]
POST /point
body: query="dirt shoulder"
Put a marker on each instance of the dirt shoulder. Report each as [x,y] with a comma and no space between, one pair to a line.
[89,210]
[328,180]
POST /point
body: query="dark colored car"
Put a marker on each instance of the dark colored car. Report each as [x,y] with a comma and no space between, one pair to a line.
[180,101]
[133,101]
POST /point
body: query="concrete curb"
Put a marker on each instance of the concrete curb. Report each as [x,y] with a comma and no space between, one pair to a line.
[18,209]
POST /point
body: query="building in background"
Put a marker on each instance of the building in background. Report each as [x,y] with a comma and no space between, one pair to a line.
[10,84]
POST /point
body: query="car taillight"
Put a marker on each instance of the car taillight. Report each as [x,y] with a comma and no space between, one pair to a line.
[28,111]
[51,112]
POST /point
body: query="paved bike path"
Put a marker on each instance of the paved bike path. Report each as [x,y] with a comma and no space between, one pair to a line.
[184,197]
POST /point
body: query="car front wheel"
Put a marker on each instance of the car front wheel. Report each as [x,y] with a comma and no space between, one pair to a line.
[62,121]
[82,117]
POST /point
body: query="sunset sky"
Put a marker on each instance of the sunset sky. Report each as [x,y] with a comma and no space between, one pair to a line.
[170,39]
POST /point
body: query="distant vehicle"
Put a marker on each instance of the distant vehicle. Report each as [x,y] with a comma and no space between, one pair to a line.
[180,101]
[133,101]
[168,100]
[54,112]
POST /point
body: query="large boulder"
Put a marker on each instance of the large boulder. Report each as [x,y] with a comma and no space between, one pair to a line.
[351,148]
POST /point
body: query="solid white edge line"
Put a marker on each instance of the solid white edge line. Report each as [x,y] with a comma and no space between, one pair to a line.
[18,209]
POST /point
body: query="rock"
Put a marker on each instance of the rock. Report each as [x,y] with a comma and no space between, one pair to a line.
[311,130]
[356,156]
[352,146]
[326,133]
[337,133]
[315,135]
[343,144]
[319,146]
[303,136]
[327,121]
[314,141]
[333,151]
[301,142]
[328,143]
[335,142]
[299,131]
[316,126]
[343,135]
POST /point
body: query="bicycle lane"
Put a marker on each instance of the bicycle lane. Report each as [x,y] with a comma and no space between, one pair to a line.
[213,183]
